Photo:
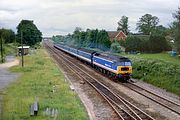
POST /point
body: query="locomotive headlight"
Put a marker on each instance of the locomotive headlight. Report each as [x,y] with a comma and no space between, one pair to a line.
[119,68]
[130,69]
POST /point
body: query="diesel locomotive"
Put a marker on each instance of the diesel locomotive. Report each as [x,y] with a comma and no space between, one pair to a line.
[113,66]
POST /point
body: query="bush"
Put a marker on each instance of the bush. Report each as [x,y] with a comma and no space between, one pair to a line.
[115,47]
[37,46]
[133,44]
[154,44]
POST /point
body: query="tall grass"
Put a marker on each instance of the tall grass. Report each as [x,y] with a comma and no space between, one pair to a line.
[38,79]
[8,49]
[161,73]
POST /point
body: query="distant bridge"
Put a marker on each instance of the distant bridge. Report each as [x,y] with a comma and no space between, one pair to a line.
[47,38]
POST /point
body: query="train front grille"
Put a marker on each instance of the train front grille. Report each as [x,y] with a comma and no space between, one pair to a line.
[124,69]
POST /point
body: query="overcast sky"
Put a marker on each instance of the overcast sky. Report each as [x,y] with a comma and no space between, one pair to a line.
[54,17]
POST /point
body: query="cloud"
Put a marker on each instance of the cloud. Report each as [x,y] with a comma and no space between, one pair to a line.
[62,16]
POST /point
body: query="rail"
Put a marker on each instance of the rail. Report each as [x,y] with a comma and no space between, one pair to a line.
[123,108]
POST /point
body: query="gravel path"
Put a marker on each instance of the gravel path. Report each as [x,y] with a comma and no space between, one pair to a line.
[6,77]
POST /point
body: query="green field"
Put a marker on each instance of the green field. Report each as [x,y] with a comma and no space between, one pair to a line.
[38,79]
[161,70]
[158,56]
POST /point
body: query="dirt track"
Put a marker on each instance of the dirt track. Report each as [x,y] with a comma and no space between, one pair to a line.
[6,77]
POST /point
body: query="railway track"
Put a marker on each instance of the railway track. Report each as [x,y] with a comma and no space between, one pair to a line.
[169,104]
[124,109]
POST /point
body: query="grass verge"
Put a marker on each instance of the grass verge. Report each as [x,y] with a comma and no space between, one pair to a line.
[38,79]
[158,56]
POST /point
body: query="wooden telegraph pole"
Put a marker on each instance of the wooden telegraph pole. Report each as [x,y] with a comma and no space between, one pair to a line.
[22,50]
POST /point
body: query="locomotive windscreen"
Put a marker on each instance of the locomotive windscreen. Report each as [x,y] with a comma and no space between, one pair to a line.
[124,63]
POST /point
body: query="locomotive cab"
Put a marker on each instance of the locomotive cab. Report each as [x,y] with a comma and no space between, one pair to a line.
[124,68]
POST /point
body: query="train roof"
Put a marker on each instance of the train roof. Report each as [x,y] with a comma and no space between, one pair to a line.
[78,48]
[88,51]
[113,57]
[67,45]
[73,46]
[58,44]
[105,56]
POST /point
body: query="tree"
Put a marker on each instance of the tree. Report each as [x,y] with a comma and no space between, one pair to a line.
[158,43]
[91,38]
[82,39]
[31,34]
[8,35]
[123,25]
[177,30]
[147,24]
[103,40]
[133,44]
[76,35]
[160,30]
[77,30]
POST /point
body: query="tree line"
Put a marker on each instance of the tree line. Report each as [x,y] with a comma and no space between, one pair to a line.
[99,39]
[89,38]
